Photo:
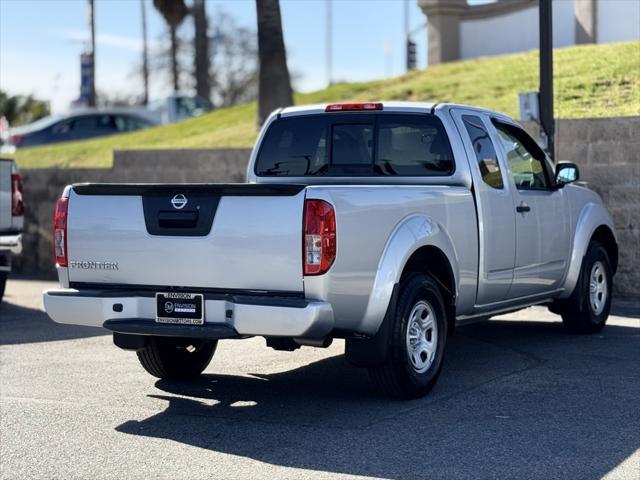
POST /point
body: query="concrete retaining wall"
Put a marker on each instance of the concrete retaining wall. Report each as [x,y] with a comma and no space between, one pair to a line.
[44,186]
[607,151]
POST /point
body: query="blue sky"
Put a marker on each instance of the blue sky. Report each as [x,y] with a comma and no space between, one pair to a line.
[41,41]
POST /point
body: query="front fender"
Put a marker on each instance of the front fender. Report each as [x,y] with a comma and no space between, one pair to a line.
[592,216]
[412,233]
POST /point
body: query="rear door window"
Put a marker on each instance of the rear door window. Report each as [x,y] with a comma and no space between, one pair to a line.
[106,122]
[84,124]
[355,144]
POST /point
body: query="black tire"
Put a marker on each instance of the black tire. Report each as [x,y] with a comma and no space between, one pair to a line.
[3,284]
[398,376]
[579,312]
[176,358]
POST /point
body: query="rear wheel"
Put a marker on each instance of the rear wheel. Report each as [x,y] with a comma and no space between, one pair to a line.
[417,340]
[587,309]
[3,283]
[176,358]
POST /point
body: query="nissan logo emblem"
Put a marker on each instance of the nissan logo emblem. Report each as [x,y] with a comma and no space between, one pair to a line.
[179,201]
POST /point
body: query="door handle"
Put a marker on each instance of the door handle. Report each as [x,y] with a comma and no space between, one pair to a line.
[523,208]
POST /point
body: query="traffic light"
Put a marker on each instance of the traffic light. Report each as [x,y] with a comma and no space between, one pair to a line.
[411,55]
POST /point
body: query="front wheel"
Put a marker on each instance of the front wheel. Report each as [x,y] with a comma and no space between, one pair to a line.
[417,340]
[176,358]
[587,309]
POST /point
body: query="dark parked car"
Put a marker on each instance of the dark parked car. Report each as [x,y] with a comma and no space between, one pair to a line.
[78,126]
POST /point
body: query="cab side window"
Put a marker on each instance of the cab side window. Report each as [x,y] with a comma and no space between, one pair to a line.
[484,151]
[84,124]
[526,159]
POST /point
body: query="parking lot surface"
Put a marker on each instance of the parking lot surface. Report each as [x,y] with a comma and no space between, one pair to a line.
[517,398]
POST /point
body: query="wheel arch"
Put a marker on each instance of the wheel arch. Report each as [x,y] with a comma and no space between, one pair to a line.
[594,223]
[605,236]
[417,244]
[431,260]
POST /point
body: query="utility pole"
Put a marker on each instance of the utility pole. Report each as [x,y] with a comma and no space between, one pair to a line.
[92,81]
[406,19]
[145,55]
[545,97]
[329,47]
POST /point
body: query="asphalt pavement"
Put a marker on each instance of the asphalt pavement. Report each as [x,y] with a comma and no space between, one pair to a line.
[517,398]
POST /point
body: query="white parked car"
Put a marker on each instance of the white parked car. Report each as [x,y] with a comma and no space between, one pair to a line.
[175,108]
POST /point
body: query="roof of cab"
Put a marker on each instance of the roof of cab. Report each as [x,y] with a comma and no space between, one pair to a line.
[394,106]
[388,107]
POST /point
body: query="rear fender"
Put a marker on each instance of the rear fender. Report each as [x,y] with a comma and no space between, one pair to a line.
[412,233]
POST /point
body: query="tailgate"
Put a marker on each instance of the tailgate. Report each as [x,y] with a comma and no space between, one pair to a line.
[231,237]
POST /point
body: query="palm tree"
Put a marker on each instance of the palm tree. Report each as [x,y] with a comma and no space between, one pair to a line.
[201,43]
[173,12]
[274,84]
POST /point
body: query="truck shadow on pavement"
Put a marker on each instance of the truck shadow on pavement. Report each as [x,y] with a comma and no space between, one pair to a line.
[30,325]
[515,399]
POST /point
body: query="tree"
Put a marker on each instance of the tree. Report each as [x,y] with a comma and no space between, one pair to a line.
[274,84]
[173,12]
[118,99]
[233,54]
[201,45]
[19,109]
[233,60]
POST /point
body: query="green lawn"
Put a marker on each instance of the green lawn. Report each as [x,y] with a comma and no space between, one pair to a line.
[590,81]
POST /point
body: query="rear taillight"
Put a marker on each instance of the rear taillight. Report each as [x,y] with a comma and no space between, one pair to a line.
[15,140]
[17,196]
[319,237]
[60,232]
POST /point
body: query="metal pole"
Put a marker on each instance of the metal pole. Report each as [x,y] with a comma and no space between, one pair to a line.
[406,19]
[145,55]
[92,27]
[406,33]
[329,46]
[546,75]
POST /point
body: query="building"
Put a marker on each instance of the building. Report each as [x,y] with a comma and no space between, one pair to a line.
[457,30]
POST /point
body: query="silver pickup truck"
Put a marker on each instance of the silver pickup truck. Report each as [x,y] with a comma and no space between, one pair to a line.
[383,224]
[11,217]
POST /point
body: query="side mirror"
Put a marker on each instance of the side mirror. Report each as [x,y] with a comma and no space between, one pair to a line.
[566,172]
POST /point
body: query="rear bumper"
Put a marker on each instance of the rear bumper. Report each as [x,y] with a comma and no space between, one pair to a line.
[225,315]
[11,242]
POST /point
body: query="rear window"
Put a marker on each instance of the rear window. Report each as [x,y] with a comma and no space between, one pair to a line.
[356,145]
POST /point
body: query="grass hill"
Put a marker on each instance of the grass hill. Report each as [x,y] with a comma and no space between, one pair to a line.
[590,81]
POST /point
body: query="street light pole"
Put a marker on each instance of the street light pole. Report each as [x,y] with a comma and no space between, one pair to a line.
[92,81]
[545,98]
[145,55]
[329,45]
